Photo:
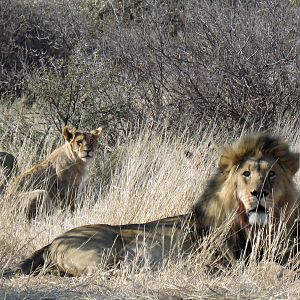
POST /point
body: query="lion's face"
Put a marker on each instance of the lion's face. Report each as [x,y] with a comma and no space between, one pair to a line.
[83,144]
[252,189]
[260,185]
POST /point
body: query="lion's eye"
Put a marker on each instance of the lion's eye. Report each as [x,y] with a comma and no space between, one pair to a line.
[79,142]
[271,174]
[246,174]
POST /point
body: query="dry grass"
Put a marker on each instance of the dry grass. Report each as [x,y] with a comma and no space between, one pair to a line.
[148,177]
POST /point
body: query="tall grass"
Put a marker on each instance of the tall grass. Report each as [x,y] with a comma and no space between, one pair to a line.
[145,177]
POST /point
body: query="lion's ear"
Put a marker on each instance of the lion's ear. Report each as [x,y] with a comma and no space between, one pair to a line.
[225,163]
[291,162]
[69,133]
[97,132]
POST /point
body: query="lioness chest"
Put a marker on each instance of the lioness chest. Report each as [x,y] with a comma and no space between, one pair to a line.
[69,175]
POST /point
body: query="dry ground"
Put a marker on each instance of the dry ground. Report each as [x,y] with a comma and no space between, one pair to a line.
[145,178]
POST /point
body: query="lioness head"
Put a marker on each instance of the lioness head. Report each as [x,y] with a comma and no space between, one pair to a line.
[82,144]
[260,171]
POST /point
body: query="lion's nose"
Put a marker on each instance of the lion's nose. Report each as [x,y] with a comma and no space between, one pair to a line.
[260,194]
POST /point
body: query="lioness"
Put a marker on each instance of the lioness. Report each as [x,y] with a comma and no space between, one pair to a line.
[253,185]
[58,177]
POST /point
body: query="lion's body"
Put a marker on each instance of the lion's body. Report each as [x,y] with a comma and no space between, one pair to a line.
[57,178]
[82,250]
[60,175]
[254,185]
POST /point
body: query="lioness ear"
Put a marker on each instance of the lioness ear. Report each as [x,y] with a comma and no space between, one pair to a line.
[69,133]
[97,132]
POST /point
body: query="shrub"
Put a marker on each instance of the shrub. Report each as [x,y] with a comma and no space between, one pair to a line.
[117,64]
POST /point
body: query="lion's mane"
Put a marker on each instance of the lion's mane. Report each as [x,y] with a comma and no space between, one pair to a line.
[219,201]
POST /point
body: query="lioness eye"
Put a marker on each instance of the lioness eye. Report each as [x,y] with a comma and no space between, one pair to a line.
[246,173]
[79,142]
[271,174]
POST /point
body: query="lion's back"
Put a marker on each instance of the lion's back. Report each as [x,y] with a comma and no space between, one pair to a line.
[40,176]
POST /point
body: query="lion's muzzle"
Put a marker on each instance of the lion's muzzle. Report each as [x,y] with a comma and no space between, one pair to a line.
[258,216]
[87,155]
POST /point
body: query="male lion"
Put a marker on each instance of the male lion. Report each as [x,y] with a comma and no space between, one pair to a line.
[254,184]
[58,177]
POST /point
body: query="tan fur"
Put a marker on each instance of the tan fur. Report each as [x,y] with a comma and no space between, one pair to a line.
[84,249]
[57,179]
[256,173]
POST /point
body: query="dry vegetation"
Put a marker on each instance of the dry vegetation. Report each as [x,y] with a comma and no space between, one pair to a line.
[149,177]
[130,62]
[162,78]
